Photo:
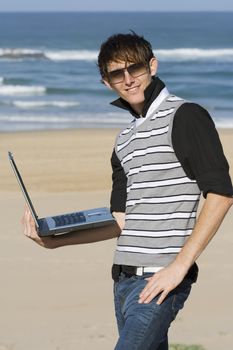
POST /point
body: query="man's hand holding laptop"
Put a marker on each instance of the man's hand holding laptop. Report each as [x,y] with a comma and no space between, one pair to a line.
[29,230]
[75,237]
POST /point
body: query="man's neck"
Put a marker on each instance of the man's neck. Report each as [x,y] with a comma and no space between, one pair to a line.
[138,108]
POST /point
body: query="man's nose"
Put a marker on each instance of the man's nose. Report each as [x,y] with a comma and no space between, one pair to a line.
[128,78]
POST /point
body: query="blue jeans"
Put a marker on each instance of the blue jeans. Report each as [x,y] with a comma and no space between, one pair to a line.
[145,326]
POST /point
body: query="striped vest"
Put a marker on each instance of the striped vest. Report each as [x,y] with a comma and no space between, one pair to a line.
[161,200]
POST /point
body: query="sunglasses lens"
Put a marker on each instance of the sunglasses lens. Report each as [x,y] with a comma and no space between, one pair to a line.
[116,76]
[137,69]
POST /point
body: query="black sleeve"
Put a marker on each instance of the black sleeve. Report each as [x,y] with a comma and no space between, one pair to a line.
[119,185]
[199,150]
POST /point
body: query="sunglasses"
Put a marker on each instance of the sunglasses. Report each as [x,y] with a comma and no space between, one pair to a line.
[134,70]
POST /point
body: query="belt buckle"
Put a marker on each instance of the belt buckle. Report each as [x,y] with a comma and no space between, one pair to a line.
[139,271]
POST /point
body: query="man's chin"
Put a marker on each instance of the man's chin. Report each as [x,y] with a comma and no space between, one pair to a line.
[135,98]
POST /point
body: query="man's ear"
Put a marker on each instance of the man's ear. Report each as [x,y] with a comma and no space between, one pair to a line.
[153,66]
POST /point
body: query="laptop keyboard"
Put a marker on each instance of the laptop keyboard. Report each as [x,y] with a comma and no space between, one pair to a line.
[69,219]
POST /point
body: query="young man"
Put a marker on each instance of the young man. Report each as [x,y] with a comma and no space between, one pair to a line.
[162,161]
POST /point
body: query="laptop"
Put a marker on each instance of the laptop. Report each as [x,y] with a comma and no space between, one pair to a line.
[64,223]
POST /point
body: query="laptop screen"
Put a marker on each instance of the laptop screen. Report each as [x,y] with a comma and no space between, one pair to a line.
[23,188]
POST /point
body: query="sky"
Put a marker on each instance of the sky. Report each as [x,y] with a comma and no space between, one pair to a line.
[117,5]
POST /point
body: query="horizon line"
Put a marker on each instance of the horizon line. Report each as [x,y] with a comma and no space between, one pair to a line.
[116,11]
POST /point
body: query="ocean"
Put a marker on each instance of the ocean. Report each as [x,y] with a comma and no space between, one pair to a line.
[49,78]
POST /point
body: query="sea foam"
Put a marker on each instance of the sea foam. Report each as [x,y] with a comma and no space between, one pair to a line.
[79,55]
[21,90]
[20,53]
[193,54]
[176,54]
[41,104]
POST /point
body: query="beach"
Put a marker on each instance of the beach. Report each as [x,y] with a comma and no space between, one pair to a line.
[61,299]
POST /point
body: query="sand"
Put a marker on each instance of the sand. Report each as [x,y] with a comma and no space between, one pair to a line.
[62,299]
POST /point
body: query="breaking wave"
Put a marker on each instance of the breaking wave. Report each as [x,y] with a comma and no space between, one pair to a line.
[176,54]
[60,55]
[20,121]
[12,90]
[194,54]
[41,104]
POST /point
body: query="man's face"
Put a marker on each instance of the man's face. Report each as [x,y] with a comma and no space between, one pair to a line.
[129,81]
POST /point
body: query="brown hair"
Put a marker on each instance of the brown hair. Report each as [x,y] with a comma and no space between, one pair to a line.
[124,47]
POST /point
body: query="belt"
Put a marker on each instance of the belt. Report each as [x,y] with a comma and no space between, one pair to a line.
[192,273]
[132,270]
[147,269]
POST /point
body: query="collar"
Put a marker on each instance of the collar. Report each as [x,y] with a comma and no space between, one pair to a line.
[151,92]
